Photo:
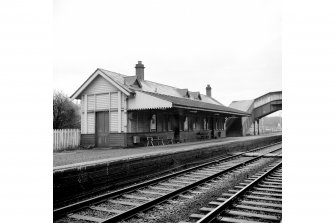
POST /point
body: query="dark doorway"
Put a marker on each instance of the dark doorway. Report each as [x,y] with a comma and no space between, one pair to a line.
[102,121]
[235,128]
[211,121]
[176,123]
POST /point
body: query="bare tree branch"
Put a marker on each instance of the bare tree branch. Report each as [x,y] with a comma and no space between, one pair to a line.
[66,114]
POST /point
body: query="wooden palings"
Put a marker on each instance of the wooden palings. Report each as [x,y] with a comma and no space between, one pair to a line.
[65,138]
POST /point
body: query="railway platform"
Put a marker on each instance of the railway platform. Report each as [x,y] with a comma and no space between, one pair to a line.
[76,158]
[125,166]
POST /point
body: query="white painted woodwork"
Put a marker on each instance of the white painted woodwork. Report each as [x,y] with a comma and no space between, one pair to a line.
[82,114]
[119,112]
[145,101]
[82,103]
[113,127]
[99,85]
[124,121]
[100,94]
[95,100]
[102,101]
[85,114]
[124,100]
[91,102]
[82,123]
[91,123]
[65,138]
[98,82]
[109,111]
[114,100]
[266,99]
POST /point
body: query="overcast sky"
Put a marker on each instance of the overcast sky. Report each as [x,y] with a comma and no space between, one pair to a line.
[233,45]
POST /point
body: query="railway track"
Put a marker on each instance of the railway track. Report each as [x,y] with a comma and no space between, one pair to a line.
[127,202]
[258,199]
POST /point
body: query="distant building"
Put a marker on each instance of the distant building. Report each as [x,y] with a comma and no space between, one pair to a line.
[118,110]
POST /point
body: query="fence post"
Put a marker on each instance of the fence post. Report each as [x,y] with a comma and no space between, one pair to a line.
[66,138]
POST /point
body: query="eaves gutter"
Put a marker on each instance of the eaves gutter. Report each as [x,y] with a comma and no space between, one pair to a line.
[210,110]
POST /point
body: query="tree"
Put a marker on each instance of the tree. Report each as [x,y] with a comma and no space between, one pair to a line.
[66,114]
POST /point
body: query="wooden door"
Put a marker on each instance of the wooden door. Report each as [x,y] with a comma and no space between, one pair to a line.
[102,129]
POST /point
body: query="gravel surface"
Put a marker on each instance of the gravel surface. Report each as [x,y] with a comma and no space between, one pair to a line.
[256,212]
[169,186]
[157,190]
[139,194]
[110,205]
[259,200]
[245,218]
[131,200]
[95,213]
[172,212]
[71,220]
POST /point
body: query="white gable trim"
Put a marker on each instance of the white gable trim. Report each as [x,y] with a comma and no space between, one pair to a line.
[146,101]
[91,78]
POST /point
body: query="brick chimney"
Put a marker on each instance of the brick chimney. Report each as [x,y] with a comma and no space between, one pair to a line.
[209,91]
[140,70]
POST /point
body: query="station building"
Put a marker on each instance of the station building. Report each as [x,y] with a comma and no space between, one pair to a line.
[122,111]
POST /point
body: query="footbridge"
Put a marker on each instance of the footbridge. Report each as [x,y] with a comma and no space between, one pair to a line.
[258,107]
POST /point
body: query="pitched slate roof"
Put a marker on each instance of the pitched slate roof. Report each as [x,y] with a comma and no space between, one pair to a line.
[150,86]
[195,95]
[119,78]
[243,105]
[195,104]
[180,97]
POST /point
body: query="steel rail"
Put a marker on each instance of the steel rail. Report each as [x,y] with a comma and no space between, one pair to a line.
[60,212]
[128,214]
[218,210]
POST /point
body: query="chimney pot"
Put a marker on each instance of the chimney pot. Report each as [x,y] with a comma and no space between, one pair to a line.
[209,91]
[139,67]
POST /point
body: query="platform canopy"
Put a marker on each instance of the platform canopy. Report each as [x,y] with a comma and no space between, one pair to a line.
[150,100]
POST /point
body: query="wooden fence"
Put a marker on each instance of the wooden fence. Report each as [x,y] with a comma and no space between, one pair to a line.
[66,138]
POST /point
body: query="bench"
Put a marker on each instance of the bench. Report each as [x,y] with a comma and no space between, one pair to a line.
[169,140]
[152,139]
[203,135]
